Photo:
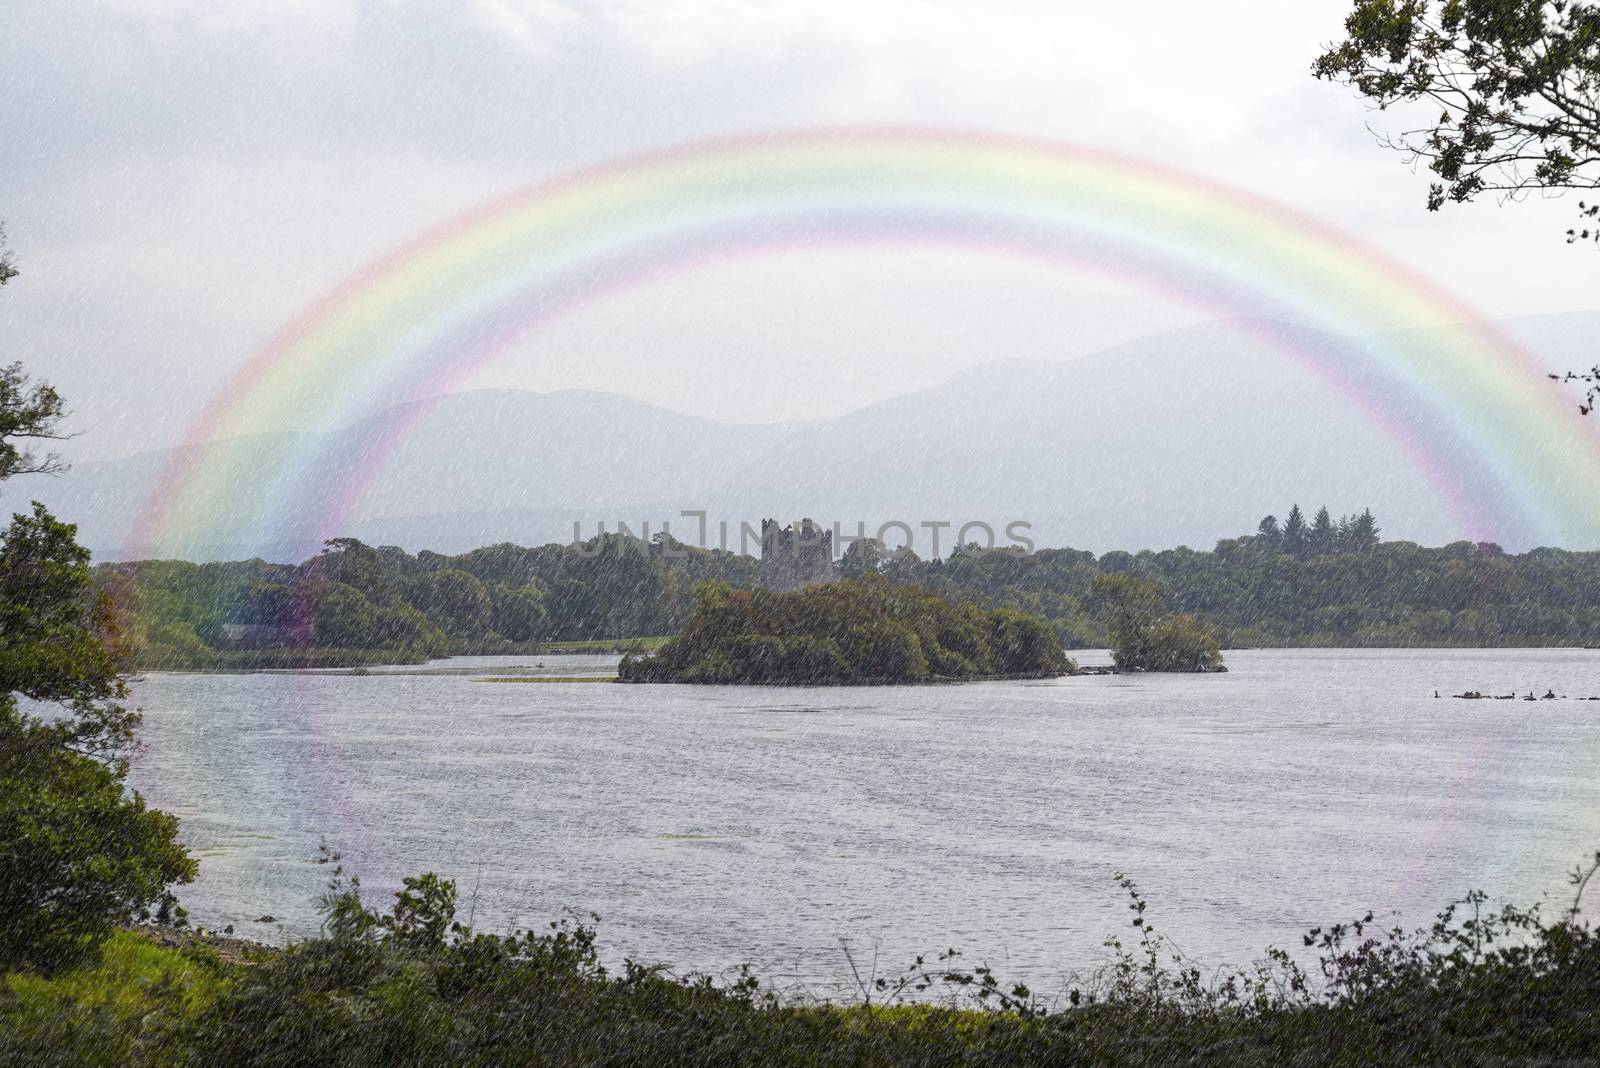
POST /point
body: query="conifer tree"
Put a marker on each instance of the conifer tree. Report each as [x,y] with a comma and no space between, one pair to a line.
[1363,532]
[1323,538]
[1342,534]
[1294,533]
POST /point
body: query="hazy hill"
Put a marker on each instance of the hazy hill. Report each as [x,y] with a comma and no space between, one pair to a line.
[467,469]
[1177,438]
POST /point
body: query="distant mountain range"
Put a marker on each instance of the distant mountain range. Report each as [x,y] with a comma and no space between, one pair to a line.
[1177,438]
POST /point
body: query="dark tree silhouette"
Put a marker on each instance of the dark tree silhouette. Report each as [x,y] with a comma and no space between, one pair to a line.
[1269,537]
[1363,533]
[79,853]
[28,412]
[1295,537]
[1589,378]
[8,266]
[1517,85]
[1323,538]
[1515,82]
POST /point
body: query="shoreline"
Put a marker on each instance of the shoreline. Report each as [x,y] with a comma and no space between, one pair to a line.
[388,667]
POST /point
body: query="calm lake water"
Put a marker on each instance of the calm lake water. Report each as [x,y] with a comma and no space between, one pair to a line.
[710,826]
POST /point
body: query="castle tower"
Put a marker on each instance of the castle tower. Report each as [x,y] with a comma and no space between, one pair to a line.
[795,556]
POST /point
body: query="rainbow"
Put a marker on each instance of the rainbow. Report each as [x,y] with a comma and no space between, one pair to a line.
[1503,445]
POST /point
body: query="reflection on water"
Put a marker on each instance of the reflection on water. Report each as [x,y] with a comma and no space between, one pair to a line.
[710,826]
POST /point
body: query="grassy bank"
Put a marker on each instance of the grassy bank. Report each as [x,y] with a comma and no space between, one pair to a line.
[550,679]
[594,647]
[225,661]
[412,987]
[294,659]
[605,646]
[1236,640]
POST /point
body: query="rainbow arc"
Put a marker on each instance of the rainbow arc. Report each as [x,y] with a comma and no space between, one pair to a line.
[1503,445]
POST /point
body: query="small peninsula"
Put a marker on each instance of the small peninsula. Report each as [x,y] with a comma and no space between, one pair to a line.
[865,631]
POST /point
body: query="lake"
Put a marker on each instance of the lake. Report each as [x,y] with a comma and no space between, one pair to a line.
[710,826]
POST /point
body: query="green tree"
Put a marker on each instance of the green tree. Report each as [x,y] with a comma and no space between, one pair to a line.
[884,650]
[352,563]
[345,619]
[520,614]
[1021,643]
[78,853]
[1143,637]
[903,566]
[1129,607]
[1296,539]
[1363,533]
[1507,93]
[29,413]
[455,602]
[1269,538]
[852,631]
[1509,90]
[274,604]
[1183,642]
[863,556]
[1323,537]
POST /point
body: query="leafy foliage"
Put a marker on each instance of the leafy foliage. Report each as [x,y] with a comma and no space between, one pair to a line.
[861,631]
[1517,83]
[78,854]
[1588,381]
[415,986]
[1144,637]
[354,599]
[1271,588]
[1260,591]
[29,412]
[8,263]
[1515,86]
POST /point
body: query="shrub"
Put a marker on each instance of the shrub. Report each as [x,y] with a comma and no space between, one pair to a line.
[77,855]
[1143,638]
[1182,643]
[863,631]
[1478,986]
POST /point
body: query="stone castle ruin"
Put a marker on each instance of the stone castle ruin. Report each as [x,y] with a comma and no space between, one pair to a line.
[795,556]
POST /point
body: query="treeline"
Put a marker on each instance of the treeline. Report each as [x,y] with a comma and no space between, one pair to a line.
[1323,536]
[1324,582]
[1296,585]
[354,603]
[861,631]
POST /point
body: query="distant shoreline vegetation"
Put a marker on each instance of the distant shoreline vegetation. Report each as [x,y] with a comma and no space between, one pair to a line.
[1317,583]
[859,632]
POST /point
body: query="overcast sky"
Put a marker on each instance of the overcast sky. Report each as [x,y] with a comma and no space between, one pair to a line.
[178,177]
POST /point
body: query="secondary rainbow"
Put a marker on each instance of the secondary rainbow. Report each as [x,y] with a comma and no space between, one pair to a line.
[1503,445]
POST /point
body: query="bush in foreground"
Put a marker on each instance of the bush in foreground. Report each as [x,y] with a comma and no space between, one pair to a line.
[415,987]
[78,853]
